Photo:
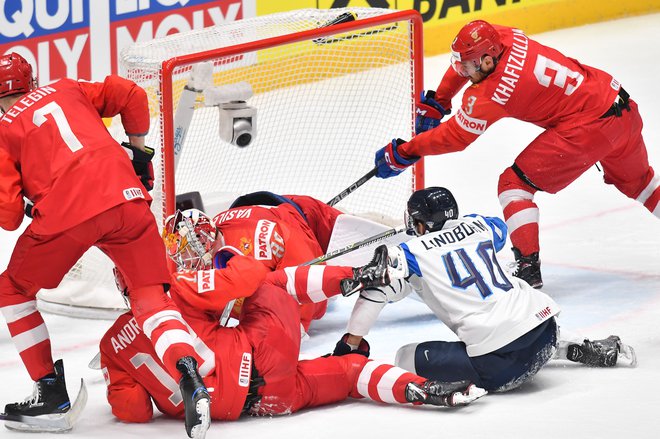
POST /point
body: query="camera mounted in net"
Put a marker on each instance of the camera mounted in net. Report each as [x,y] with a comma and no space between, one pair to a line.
[238,120]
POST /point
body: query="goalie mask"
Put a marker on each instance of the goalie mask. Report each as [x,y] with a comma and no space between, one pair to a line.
[430,207]
[190,237]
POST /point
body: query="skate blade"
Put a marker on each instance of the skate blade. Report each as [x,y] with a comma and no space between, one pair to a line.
[203,409]
[463,398]
[95,363]
[56,423]
[627,356]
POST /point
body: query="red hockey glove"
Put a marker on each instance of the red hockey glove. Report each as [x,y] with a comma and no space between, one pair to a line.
[142,163]
[429,113]
[389,162]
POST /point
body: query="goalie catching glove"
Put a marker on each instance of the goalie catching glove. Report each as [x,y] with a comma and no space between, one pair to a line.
[389,162]
[142,165]
[429,113]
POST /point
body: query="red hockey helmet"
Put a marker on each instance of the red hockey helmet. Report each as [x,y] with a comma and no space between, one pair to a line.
[475,40]
[15,75]
[190,239]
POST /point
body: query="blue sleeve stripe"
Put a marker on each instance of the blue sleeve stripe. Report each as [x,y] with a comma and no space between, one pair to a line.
[413,266]
[499,231]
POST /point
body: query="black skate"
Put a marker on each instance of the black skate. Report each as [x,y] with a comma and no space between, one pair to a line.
[528,268]
[443,394]
[602,353]
[49,396]
[49,408]
[196,399]
[374,274]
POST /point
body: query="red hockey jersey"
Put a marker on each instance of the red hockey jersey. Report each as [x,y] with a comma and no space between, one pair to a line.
[531,82]
[278,236]
[56,151]
[134,374]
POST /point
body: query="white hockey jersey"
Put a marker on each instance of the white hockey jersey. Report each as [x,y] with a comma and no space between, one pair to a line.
[456,273]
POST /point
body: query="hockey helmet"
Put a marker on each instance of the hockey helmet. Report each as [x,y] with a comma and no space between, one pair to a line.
[190,239]
[474,41]
[431,207]
[15,75]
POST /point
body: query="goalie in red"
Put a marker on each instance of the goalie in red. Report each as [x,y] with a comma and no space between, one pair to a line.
[56,151]
[279,231]
[587,115]
[253,367]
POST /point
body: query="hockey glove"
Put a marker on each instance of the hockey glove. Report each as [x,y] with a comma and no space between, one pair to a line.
[142,163]
[389,162]
[429,112]
[343,348]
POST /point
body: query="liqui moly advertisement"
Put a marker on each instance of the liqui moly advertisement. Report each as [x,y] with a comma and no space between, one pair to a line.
[83,39]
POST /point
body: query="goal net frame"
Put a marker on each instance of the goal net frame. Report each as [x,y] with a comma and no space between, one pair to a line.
[168,67]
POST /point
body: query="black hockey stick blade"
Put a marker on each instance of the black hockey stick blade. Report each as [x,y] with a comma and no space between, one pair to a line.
[349,190]
[351,247]
[346,17]
[58,423]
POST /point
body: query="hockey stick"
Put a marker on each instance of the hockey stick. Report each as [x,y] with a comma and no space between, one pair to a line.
[347,17]
[351,247]
[201,77]
[346,192]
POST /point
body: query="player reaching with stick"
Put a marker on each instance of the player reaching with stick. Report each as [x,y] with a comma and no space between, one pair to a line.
[56,151]
[253,367]
[587,115]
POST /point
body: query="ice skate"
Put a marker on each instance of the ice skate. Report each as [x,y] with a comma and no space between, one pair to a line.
[453,394]
[48,409]
[196,398]
[528,268]
[374,274]
[602,353]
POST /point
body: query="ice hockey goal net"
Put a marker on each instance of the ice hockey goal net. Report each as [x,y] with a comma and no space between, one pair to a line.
[325,97]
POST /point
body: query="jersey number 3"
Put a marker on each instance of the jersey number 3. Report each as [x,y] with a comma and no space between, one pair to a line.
[546,69]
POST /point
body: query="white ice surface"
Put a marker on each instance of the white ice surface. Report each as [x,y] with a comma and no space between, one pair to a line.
[601,260]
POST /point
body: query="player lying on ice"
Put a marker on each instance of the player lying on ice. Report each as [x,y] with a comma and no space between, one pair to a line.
[252,367]
[507,329]
[279,231]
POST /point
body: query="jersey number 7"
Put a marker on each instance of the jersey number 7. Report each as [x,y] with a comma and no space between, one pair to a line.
[53,109]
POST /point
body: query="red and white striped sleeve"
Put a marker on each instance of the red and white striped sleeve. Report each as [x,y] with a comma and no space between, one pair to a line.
[311,283]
